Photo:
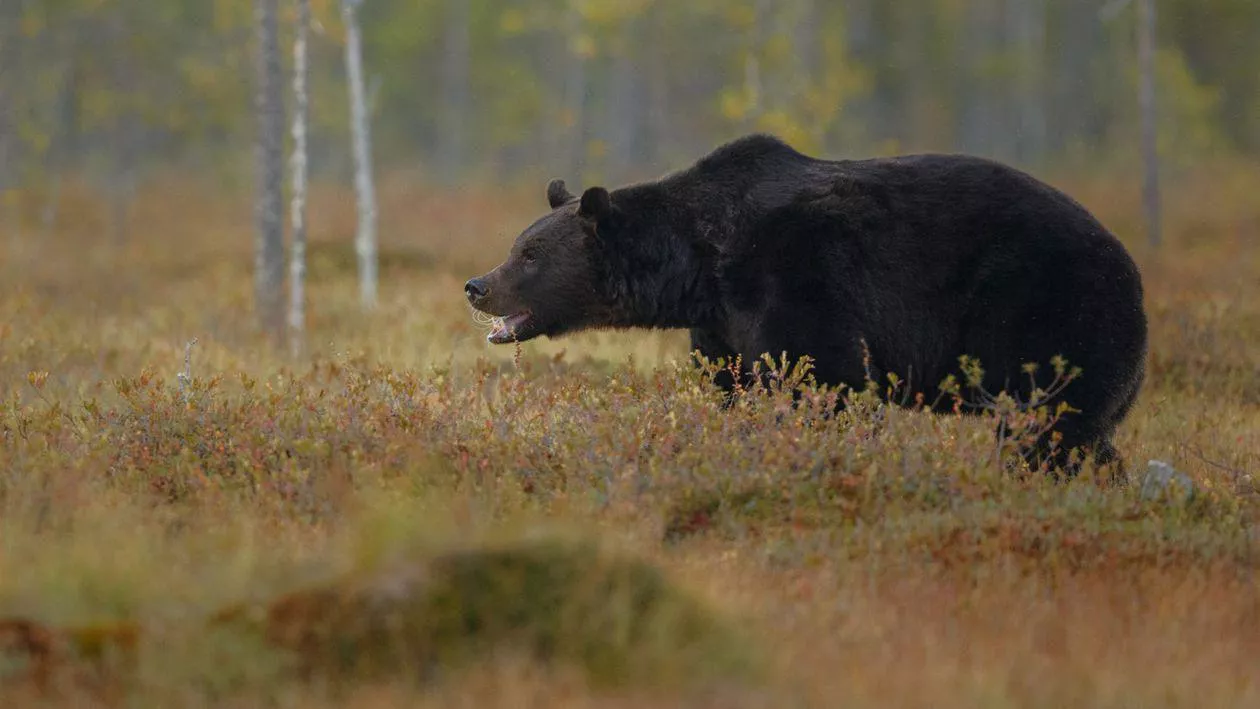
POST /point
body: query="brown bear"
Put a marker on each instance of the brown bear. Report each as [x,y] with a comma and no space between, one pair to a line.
[898,265]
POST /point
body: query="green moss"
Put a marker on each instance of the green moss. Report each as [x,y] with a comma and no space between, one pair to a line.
[617,618]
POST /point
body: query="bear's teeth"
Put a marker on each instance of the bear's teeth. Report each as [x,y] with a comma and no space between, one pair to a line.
[505,329]
[500,330]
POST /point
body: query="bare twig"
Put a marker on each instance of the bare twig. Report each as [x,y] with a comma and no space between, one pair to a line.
[1197,452]
[185,377]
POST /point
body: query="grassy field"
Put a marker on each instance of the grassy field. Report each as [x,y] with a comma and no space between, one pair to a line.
[405,516]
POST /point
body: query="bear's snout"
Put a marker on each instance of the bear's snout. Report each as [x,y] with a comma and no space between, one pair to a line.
[476,289]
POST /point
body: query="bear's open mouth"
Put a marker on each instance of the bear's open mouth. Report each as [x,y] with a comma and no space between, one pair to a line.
[511,328]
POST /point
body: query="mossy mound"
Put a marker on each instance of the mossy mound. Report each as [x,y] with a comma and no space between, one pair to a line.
[618,619]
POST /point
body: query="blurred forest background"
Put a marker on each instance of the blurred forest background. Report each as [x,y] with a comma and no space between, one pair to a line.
[161,459]
[610,90]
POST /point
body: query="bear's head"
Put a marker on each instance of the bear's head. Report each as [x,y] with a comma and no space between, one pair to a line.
[554,279]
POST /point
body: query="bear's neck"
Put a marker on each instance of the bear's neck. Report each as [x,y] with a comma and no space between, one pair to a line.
[688,222]
[679,296]
[665,274]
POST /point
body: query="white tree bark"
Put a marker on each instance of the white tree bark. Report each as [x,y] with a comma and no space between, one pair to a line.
[298,167]
[365,238]
[1150,135]
[269,165]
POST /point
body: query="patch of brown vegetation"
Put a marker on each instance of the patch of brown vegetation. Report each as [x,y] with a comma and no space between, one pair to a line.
[93,662]
[879,558]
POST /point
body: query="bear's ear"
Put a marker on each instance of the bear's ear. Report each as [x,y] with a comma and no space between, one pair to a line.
[557,193]
[596,205]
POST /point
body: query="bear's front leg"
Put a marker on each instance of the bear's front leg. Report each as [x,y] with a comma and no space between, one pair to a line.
[713,348]
[832,340]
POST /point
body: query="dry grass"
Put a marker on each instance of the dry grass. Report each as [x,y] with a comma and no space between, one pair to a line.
[879,560]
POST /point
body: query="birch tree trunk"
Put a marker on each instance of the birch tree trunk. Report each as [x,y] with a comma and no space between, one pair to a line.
[121,182]
[626,106]
[1072,109]
[125,138]
[980,130]
[62,150]
[863,40]
[807,69]
[575,91]
[9,221]
[753,85]
[365,237]
[9,218]
[1150,136]
[298,166]
[661,131]
[456,57]
[269,166]
[10,70]
[1027,21]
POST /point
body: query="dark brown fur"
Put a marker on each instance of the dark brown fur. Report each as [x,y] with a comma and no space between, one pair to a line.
[757,248]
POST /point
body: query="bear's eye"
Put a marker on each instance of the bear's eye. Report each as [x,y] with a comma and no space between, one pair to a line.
[530,256]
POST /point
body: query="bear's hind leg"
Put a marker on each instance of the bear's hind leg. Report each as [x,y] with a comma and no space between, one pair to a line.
[1065,458]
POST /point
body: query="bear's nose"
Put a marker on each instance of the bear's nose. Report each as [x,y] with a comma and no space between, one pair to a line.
[476,289]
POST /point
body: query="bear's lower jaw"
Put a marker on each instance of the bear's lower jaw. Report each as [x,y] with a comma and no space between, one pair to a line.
[513,328]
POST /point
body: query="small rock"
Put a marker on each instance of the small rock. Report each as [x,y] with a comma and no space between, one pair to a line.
[1162,480]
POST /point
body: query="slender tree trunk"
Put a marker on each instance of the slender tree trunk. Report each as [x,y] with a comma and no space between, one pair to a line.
[122,190]
[1027,20]
[298,166]
[9,77]
[809,65]
[8,136]
[575,94]
[808,48]
[10,219]
[125,141]
[625,115]
[901,47]
[660,129]
[452,145]
[65,139]
[122,181]
[269,165]
[1072,107]
[8,171]
[1076,110]
[1150,136]
[52,202]
[863,23]
[978,127]
[753,67]
[365,237]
